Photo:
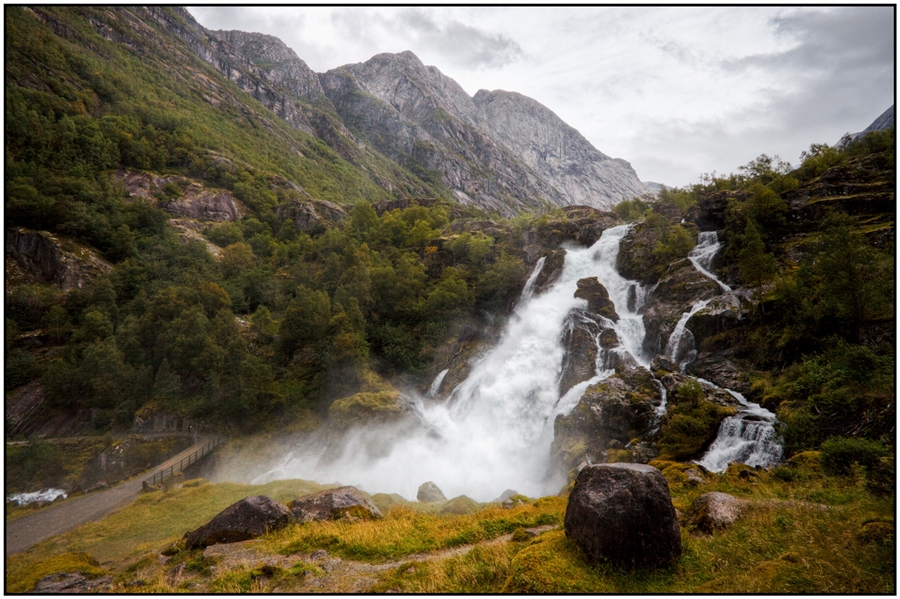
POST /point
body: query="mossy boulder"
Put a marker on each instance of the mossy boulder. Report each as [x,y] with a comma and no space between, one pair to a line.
[691,424]
[460,506]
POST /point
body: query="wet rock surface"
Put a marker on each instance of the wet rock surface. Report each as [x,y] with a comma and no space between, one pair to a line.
[623,514]
[621,408]
[246,519]
[334,504]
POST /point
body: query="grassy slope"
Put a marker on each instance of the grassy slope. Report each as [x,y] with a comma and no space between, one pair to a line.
[802,537]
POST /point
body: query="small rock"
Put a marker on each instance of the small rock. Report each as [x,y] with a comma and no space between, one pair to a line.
[623,514]
[714,511]
[694,478]
[319,554]
[244,520]
[430,493]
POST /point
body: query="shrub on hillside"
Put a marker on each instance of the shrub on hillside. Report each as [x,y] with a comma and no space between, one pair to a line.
[840,453]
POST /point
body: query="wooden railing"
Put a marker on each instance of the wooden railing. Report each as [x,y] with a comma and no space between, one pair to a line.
[193,458]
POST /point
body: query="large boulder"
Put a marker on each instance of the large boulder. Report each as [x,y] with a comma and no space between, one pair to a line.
[334,504]
[430,493]
[712,512]
[623,514]
[244,520]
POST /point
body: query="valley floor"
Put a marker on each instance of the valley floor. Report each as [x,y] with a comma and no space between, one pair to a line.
[805,532]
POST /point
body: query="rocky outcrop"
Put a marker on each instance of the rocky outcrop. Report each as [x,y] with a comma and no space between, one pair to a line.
[21,408]
[190,230]
[623,514]
[244,520]
[334,504]
[721,371]
[183,196]
[430,493]
[680,287]
[592,290]
[48,258]
[711,210]
[620,408]
[713,512]
[312,217]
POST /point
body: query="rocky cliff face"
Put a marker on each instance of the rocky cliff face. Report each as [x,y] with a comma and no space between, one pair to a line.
[494,149]
[499,150]
[560,154]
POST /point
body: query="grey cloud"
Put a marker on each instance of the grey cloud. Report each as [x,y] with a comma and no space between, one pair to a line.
[460,44]
[829,40]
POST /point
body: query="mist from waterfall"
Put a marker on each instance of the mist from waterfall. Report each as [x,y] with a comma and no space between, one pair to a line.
[494,430]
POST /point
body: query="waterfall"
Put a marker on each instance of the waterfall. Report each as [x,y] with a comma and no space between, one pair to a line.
[436,384]
[703,253]
[495,429]
[748,437]
[674,347]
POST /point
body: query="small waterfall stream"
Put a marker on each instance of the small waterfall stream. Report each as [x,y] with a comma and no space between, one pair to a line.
[748,437]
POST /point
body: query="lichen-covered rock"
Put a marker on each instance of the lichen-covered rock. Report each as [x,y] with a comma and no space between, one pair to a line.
[241,521]
[334,504]
[713,512]
[430,493]
[621,407]
[48,258]
[623,514]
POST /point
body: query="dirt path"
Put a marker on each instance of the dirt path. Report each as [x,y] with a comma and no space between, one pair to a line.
[24,532]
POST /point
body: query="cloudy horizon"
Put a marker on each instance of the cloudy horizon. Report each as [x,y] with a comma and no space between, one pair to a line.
[675,91]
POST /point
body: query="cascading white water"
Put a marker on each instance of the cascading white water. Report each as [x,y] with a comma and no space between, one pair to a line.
[675,348]
[495,429]
[748,437]
[703,253]
[436,384]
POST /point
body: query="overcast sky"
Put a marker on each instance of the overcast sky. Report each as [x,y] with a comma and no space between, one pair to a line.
[676,91]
